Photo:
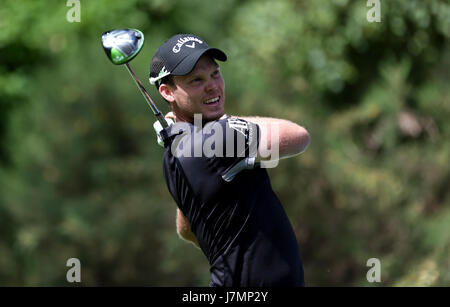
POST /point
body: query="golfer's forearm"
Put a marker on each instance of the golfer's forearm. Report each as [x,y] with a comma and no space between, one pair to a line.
[184,229]
[290,138]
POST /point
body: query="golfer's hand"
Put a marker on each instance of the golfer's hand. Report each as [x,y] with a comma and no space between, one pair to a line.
[158,128]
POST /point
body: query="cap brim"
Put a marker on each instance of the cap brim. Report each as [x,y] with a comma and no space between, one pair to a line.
[188,63]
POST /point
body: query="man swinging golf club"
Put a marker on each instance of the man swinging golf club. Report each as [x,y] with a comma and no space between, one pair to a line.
[226,205]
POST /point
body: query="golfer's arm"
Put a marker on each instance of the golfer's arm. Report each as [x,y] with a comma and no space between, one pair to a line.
[287,138]
[184,229]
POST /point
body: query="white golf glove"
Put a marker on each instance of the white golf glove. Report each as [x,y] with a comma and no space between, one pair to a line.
[158,128]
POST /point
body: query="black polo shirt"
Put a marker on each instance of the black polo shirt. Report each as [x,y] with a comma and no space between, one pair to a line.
[238,220]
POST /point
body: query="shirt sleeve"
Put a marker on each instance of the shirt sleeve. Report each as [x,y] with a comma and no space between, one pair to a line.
[231,137]
[213,153]
[228,142]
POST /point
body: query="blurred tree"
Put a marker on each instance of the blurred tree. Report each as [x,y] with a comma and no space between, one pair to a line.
[80,173]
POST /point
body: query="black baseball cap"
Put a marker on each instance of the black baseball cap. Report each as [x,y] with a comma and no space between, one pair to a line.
[178,55]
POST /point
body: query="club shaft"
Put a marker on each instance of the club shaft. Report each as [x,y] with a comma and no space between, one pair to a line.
[147,97]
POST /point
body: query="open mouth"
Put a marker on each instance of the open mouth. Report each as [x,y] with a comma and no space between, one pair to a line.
[212,101]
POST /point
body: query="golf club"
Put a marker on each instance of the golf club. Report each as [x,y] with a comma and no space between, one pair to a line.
[121,46]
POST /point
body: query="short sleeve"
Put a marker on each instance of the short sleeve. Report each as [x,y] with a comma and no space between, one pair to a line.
[231,137]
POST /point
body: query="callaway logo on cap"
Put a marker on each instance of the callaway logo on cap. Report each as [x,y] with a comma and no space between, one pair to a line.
[178,56]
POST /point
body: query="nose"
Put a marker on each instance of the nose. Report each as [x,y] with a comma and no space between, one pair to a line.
[212,85]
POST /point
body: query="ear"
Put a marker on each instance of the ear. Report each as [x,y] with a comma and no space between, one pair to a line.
[167,93]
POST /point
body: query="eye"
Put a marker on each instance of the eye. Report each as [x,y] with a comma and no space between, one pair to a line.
[196,80]
[216,73]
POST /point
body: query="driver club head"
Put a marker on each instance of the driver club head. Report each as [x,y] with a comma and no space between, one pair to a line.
[122,45]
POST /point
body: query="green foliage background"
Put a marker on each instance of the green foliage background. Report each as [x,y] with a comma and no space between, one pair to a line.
[80,172]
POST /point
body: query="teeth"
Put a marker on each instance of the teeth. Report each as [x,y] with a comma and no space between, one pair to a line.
[212,100]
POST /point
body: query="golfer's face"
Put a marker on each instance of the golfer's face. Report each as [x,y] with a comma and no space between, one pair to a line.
[202,91]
